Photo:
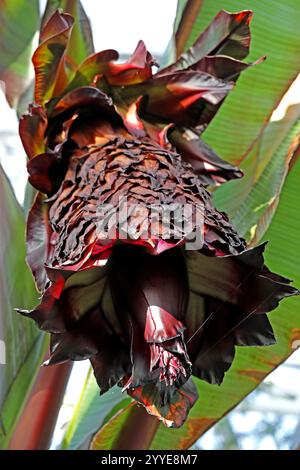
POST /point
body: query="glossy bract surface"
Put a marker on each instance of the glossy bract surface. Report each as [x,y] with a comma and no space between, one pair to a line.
[112,148]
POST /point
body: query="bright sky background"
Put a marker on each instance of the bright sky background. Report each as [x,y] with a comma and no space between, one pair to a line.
[120,24]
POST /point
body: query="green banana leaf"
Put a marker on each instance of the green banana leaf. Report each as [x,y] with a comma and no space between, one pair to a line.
[276,34]
[24,345]
[92,411]
[252,201]
[19,22]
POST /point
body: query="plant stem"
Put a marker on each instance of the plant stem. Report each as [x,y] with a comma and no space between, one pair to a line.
[138,431]
[37,422]
[186,24]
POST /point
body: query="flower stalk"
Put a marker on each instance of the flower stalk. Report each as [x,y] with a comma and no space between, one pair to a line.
[35,427]
[129,438]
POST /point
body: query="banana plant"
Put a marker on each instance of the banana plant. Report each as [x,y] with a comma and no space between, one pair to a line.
[172,316]
[22,346]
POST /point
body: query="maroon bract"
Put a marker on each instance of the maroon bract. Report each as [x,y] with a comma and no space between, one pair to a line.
[131,290]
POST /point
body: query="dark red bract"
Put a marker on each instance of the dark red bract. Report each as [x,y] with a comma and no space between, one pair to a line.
[130,290]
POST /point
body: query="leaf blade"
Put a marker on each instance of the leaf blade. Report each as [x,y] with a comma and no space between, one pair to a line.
[282,48]
[22,340]
[91,412]
[18,24]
